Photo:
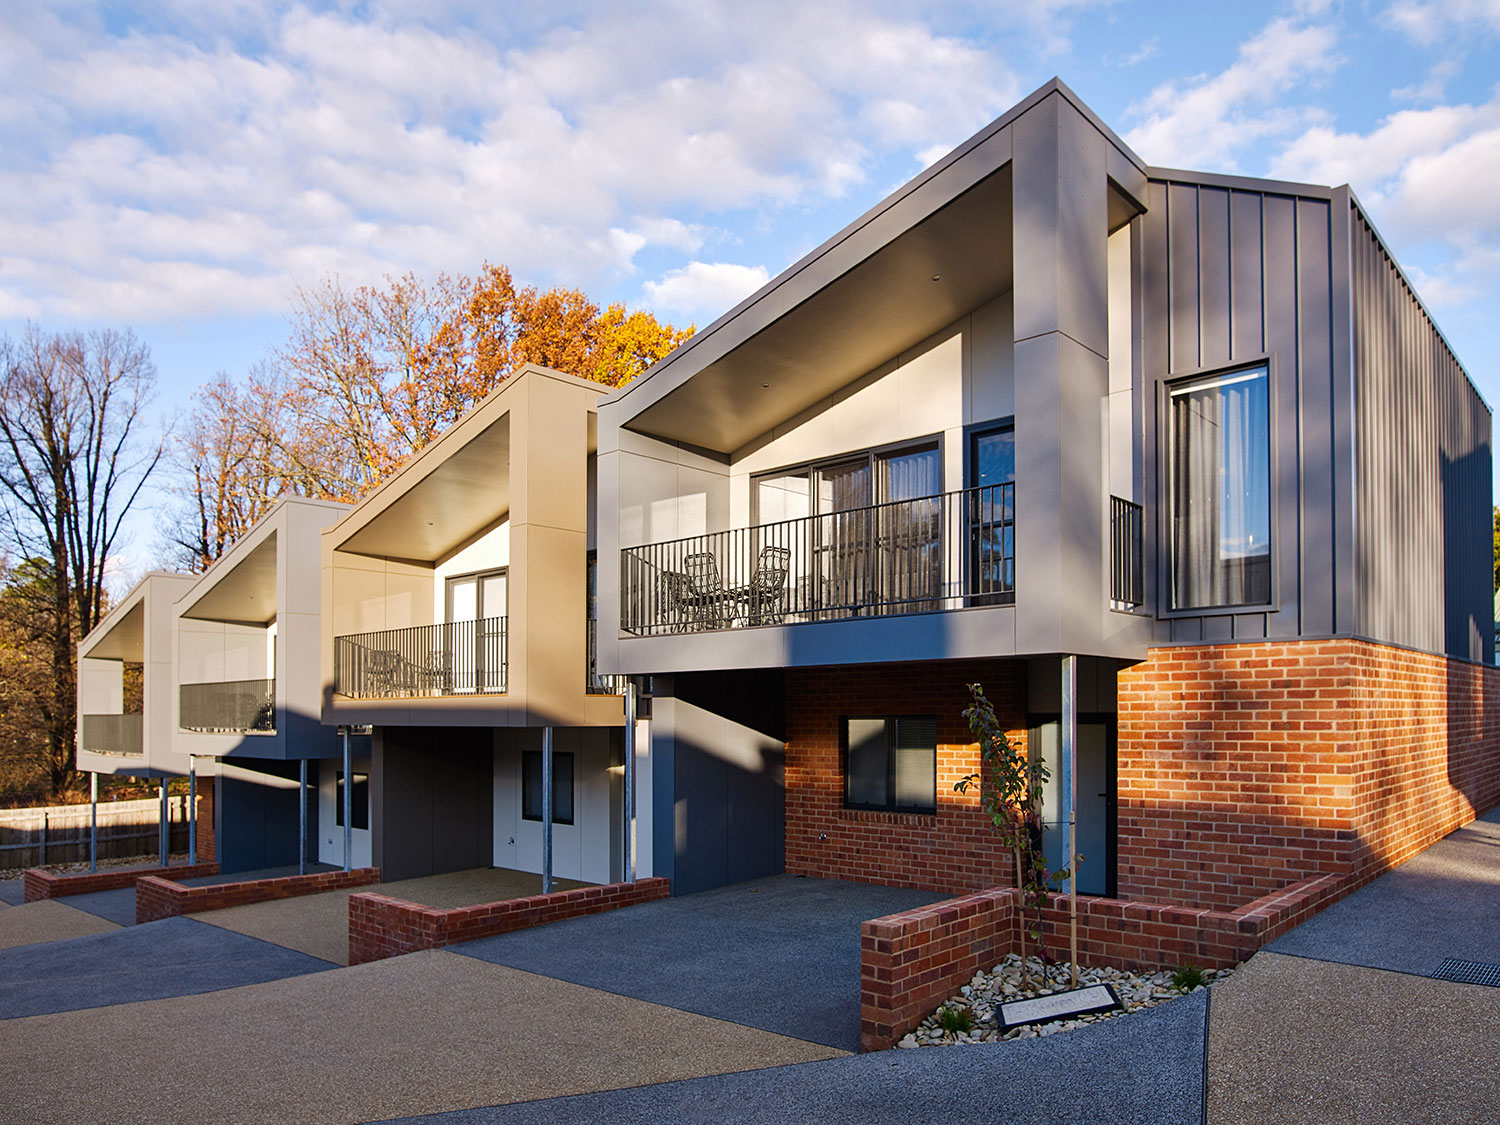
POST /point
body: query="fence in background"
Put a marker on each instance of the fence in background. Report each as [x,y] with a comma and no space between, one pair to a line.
[60,833]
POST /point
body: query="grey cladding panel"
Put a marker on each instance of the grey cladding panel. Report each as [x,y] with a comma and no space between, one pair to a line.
[1247,335]
[1315,383]
[1182,283]
[1215,252]
[1280,256]
[1423,462]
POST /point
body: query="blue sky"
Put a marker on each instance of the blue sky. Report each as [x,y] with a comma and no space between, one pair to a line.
[181,167]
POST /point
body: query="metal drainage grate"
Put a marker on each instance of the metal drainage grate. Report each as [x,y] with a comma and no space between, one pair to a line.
[1468,972]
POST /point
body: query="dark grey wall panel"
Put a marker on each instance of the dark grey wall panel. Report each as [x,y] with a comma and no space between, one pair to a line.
[257,815]
[1216,252]
[1246,294]
[1315,386]
[718,779]
[1279,244]
[1423,461]
[433,800]
[1182,276]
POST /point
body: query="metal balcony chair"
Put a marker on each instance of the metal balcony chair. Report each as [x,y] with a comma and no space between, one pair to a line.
[765,594]
[701,600]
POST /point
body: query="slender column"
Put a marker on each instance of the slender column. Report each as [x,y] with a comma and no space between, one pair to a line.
[629,798]
[165,824]
[1069,792]
[93,820]
[348,802]
[302,819]
[192,810]
[546,810]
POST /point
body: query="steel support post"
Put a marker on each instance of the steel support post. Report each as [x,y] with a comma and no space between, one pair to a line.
[1069,793]
[546,810]
[629,796]
[93,820]
[192,810]
[348,801]
[165,824]
[302,819]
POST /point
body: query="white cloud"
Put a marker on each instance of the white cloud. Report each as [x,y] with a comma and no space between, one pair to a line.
[1204,122]
[198,163]
[1428,22]
[704,290]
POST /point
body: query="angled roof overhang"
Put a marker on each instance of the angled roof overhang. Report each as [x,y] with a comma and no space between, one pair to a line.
[864,296]
[243,592]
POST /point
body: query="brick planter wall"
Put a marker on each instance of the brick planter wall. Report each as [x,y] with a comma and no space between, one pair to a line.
[912,961]
[1243,768]
[157,898]
[380,926]
[954,850]
[41,884]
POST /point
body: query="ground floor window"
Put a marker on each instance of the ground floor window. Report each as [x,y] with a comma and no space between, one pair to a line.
[361,796]
[890,763]
[562,786]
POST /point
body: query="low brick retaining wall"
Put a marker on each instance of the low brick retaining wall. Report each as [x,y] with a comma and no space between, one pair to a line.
[380,926]
[157,898]
[41,884]
[910,962]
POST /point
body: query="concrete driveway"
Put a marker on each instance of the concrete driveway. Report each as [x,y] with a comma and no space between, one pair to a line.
[779,954]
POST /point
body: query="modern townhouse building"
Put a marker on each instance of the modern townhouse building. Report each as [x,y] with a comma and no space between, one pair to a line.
[457,627]
[1178,458]
[127,691]
[247,697]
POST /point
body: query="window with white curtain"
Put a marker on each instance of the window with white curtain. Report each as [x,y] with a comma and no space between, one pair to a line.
[1219,464]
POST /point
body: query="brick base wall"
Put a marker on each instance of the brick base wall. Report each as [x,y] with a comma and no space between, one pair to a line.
[955,849]
[381,927]
[912,961]
[39,884]
[1243,768]
[157,897]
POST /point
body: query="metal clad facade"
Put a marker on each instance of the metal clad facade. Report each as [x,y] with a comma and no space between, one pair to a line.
[1423,486]
[1232,276]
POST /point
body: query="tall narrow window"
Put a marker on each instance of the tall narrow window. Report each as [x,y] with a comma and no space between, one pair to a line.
[891,764]
[1220,481]
[562,786]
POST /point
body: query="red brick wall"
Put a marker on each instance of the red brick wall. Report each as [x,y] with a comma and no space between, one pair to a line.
[1245,768]
[39,884]
[157,898]
[205,814]
[912,961]
[954,850]
[380,926]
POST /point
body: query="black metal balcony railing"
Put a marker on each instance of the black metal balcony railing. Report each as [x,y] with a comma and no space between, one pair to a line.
[938,552]
[1127,582]
[112,734]
[597,682]
[456,658]
[232,707]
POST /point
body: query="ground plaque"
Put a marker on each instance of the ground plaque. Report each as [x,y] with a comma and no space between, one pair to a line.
[1060,1005]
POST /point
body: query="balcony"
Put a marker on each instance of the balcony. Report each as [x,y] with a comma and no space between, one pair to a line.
[231,707]
[454,658]
[112,734]
[949,551]
[1127,576]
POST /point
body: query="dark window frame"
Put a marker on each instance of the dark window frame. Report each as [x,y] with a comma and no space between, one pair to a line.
[1165,480]
[892,725]
[572,785]
[872,454]
[360,809]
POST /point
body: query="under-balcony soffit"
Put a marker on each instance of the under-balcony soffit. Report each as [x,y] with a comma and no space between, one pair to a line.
[126,640]
[246,594]
[465,493]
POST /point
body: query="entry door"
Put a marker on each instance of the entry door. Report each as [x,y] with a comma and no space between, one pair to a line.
[910,563]
[476,648]
[843,535]
[1096,801]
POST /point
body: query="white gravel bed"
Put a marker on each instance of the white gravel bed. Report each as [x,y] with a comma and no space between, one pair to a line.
[981,999]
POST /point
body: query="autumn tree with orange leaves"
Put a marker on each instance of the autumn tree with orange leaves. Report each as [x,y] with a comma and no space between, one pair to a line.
[370,375]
